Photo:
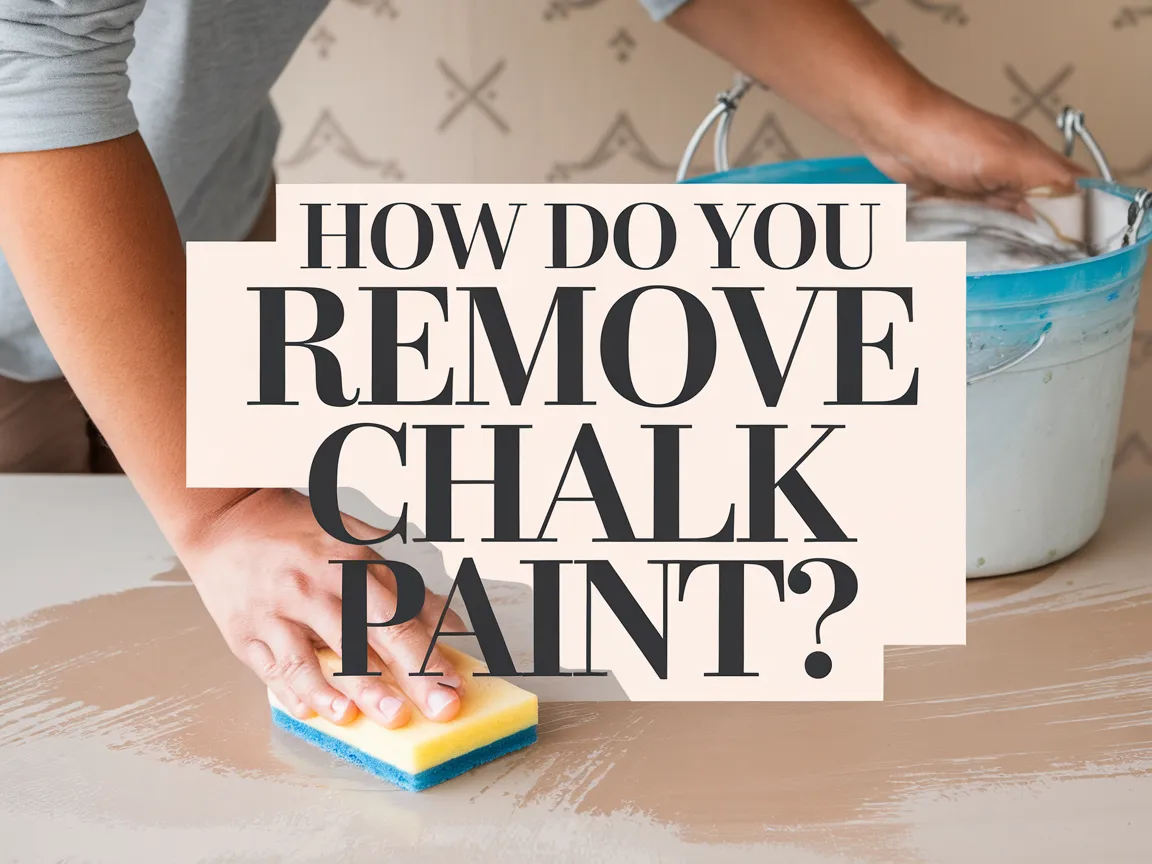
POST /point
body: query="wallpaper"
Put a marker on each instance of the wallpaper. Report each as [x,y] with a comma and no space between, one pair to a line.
[594,91]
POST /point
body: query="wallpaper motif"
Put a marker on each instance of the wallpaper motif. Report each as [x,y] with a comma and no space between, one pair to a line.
[1130,16]
[559,9]
[481,95]
[1046,98]
[326,134]
[564,89]
[592,90]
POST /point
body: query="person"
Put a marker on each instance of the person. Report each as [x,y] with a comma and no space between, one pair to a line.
[98,191]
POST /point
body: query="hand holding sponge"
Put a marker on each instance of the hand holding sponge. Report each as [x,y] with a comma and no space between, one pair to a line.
[496,718]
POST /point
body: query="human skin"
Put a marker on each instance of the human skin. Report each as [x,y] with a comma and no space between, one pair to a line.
[101,265]
[824,57]
[90,235]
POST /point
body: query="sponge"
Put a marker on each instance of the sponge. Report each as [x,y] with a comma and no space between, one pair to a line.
[495,718]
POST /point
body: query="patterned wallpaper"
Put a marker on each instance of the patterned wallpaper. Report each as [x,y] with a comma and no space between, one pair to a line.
[593,90]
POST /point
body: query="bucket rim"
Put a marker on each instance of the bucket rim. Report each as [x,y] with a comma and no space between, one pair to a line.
[765,173]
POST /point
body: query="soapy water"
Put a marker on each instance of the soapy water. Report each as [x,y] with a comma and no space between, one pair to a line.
[1042,423]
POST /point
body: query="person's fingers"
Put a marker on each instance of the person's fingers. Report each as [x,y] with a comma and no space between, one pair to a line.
[925,187]
[1023,208]
[376,696]
[1055,177]
[1076,169]
[433,603]
[259,658]
[363,530]
[298,667]
[1009,201]
[1041,167]
[430,614]
[403,648]
[1069,164]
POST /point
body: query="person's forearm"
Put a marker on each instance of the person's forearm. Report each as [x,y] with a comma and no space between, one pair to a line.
[90,236]
[821,55]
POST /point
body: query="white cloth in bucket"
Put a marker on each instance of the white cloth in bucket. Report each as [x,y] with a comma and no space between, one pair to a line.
[1086,223]
[997,240]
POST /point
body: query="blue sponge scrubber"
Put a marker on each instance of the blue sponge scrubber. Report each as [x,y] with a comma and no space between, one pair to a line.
[495,718]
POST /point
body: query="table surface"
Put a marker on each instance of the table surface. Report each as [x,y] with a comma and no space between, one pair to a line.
[129,733]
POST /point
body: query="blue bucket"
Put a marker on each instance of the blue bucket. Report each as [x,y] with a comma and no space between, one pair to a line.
[1047,359]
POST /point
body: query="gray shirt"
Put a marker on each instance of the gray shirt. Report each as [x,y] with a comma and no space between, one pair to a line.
[200,73]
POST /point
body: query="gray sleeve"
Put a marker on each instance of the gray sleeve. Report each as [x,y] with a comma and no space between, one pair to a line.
[661,9]
[64,72]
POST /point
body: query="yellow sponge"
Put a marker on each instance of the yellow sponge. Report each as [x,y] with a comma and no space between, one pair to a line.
[495,718]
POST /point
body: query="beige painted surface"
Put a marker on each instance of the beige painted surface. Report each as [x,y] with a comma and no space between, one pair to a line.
[128,733]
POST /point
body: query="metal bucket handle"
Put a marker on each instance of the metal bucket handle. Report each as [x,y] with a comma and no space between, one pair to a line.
[726,104]
[1070,122]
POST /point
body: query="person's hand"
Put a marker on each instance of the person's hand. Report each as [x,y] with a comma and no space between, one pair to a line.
[826,58]
[947,147]
[262,570]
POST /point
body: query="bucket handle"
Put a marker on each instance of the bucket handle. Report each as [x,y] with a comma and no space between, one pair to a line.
[1008,364]
[1139,203]
[725,107]
[1071,122]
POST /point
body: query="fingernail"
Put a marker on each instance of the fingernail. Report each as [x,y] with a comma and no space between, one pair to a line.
[390,706]
[339,706]
[440,699]
[451,680]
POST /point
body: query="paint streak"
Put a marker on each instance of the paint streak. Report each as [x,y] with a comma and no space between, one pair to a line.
[1055,683]
[146,664]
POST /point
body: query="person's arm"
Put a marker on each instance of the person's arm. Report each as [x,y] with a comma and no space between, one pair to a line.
[90,235]
[88,231]
[827,59]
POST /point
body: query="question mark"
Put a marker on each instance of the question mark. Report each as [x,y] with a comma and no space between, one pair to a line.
[818,664]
